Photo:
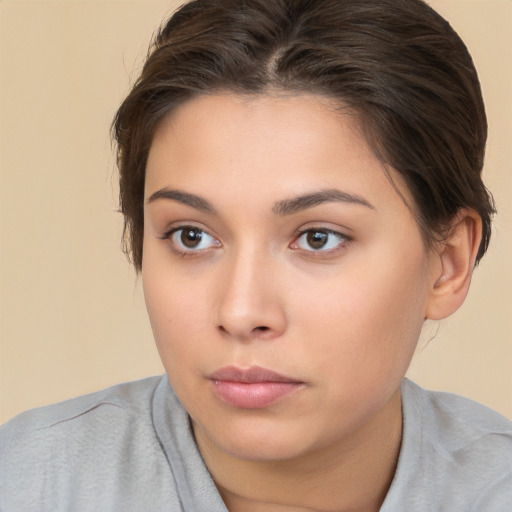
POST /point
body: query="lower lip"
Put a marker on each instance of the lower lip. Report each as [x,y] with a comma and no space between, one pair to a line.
[253,395]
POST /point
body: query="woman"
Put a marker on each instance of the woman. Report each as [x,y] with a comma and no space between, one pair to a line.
[301,185]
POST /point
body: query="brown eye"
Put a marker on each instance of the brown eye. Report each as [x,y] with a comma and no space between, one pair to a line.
[317,239]
[320,240]
[191,238]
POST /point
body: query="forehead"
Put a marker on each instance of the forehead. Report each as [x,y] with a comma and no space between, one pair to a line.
[266,145]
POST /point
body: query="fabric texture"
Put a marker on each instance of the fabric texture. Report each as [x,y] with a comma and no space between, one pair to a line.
[131,448]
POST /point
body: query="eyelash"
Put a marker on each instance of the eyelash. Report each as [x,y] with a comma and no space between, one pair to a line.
[168,236]
[343,241]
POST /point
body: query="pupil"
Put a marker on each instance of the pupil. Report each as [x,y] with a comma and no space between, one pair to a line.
[317,239]
[191,238]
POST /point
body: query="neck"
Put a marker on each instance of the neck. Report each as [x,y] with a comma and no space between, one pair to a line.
[354,475]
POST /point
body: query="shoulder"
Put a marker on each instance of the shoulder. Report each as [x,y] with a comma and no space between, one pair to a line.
[454,423]
[104,414]
[69,448]
[123,399]
[456,453]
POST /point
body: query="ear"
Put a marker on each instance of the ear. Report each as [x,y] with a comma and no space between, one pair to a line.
[452,265]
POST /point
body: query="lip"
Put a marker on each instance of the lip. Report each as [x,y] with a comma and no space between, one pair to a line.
[252,388]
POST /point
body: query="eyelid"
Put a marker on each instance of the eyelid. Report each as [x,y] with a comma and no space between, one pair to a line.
[176,226]
[344,241]
[183,251]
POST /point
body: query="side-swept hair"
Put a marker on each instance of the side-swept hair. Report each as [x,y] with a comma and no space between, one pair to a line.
[396,63]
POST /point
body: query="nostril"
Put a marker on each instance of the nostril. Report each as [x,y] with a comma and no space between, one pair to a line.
[262,328]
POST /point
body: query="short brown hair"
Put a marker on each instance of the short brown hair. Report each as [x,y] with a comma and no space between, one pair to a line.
[396,63]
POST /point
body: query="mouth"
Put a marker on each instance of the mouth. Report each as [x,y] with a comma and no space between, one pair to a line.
[252,388]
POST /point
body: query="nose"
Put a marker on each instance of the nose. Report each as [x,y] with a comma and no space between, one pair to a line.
[249,304]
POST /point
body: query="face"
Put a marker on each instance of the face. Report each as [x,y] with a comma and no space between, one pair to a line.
[286,280]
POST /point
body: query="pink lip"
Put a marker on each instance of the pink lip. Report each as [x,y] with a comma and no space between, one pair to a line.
[252,388]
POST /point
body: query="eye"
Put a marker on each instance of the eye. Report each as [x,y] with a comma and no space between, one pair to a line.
[190,239]
[319,240]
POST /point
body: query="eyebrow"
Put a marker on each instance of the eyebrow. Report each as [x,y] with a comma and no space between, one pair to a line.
[296,204]
[281,208]
[186,198]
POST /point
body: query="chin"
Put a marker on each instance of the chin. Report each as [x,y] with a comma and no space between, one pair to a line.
[262,439]
[266,450]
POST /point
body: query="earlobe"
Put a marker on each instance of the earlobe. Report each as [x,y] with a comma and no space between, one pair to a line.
[453,265]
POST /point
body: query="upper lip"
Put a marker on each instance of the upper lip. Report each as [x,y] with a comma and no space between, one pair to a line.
[249,375]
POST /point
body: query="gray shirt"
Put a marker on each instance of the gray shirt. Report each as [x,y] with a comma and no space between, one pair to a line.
[130,448]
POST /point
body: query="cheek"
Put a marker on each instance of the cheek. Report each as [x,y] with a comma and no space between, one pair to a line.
[176,312]
[369,318]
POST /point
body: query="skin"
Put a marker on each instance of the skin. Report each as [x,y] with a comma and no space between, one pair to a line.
[342,319]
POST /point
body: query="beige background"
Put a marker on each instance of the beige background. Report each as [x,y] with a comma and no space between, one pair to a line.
[72,312]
